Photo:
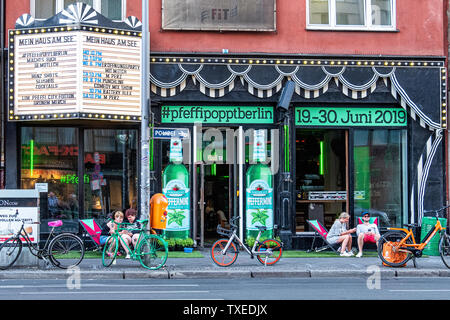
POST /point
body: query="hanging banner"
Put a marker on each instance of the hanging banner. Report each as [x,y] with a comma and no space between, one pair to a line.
[350,116]
[259,205]
[217,114]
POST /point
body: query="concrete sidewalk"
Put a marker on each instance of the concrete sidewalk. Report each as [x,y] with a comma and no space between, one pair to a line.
[244,267]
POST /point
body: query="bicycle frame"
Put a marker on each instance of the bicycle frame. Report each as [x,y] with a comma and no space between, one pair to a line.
[253,252]
[34,248]
[409,234]
[117,234]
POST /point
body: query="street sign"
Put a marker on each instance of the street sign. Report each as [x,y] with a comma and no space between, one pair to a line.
[168,133]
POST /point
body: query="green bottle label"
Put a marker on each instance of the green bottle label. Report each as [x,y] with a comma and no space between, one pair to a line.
[178,210]
[259,205]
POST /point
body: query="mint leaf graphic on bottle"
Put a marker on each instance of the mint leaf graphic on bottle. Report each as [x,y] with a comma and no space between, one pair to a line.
[259,200]
[259,191]
[176,189]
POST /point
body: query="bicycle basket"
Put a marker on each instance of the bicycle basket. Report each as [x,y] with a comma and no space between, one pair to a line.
[222,231]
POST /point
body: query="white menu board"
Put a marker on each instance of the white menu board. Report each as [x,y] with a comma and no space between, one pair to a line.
[76,74]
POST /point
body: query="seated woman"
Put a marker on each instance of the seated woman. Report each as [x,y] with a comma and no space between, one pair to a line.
[133,226]
[339,234]
[118,219]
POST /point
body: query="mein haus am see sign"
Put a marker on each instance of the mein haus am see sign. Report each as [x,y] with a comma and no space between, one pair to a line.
[74,71]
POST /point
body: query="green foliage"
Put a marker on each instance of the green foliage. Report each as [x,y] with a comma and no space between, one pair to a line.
[178,243]
[251,240]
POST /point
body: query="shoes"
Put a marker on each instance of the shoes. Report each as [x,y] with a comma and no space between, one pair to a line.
[359,255]
[128,257]
[346,254]
[350,253]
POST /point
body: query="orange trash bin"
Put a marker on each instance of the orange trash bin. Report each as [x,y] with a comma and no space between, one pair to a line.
[158,211]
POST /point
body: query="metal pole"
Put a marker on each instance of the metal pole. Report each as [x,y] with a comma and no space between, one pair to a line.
[145,103]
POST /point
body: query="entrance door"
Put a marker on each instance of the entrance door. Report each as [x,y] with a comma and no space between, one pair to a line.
[217,180]
[321,176]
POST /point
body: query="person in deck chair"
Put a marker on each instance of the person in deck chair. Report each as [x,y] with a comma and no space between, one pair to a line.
[366,232]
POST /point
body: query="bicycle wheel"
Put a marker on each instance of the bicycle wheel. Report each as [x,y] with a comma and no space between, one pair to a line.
[9,252]
[444,248]
[152,251]
[223,259]
[391,239]
[271,251]
[110,250]
[66,251]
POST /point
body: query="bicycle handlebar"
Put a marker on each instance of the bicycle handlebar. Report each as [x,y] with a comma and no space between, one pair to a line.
[437,210]
[232,220]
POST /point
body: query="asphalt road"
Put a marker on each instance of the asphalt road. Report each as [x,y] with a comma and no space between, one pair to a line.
[256,290]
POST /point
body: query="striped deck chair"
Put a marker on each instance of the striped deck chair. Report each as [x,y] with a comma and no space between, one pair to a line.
[320,232]
[93,230]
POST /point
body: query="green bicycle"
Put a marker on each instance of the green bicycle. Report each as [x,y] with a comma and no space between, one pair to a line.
[151,250]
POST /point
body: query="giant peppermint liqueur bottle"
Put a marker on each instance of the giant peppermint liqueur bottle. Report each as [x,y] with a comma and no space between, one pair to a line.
[176,189]
[259,191]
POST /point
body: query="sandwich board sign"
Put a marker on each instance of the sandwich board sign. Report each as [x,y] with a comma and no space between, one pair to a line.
[17,205]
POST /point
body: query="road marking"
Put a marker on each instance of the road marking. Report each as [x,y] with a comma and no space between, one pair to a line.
[93,285]
[109,292]
[421,290]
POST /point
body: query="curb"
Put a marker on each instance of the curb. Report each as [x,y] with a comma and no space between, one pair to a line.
[225,274]
[210,274]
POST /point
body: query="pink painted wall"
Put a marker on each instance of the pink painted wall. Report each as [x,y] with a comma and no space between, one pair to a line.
[421,29]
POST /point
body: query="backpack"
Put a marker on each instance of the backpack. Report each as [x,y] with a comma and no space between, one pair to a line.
[391,256]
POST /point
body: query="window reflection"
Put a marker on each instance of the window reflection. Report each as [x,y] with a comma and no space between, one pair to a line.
[350,12]
[49,156]
[381,12]
[110,165]
[378,159]
[318,11]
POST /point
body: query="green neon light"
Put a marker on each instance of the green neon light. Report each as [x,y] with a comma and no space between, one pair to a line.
[213,169]
[31,157]
[321,164]
[286,148]
[151,147]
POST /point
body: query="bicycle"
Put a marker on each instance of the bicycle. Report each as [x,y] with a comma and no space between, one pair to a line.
[224,252]
[65,250]
[403,244]
[151,250]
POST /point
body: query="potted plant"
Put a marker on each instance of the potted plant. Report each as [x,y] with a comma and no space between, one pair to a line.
[188,245]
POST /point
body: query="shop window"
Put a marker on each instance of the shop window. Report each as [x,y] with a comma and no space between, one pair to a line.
[49,156]
[110,167]
[379,174]
[351,14]
[44,9]
[321,171]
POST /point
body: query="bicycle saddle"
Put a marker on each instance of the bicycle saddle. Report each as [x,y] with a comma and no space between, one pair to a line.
[54,224]
[262,228]
[411,225]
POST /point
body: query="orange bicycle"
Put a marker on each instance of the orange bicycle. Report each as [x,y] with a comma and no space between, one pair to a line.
[402,245]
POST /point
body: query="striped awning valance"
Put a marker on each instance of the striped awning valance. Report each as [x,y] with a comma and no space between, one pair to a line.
[418,86]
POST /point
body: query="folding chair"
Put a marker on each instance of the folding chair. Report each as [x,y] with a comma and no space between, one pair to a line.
[321,232]
[372,220]
[93,230]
